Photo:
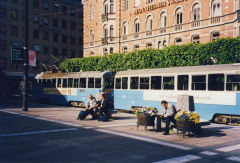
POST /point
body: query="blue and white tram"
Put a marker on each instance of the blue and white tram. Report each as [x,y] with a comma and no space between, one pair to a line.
[216,88]
[72,88]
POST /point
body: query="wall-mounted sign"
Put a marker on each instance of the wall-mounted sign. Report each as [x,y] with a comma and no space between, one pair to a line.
[32,56]
[16,54]
[156,6]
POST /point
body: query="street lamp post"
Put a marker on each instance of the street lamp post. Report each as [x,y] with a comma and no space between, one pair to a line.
[25,64]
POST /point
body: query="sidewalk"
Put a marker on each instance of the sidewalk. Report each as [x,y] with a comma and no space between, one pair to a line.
[214,134]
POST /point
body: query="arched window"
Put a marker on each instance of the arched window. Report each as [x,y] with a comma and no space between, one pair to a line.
[137,3]
[105,31]
[196,12]
[149,45]
[216,8]
[111,6]
[164,43]
[178,16]
[125,5]
[196,39]
[178,41]
[105,7]
[215,35]
[125,28]
[149,23]
[111,31]
[111,50]
[124,49]
[91,12]
[137,25]
[163,22]
[136,47]
[91,37]
[159,45]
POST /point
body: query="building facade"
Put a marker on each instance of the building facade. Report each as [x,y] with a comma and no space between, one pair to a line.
[113,26]
[55,33]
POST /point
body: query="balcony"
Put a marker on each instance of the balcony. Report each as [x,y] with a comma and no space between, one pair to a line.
[104,17]
[163,30]
[178,27]
[148,33]
[215,20]
[124,37]
[136,35]
[195,24]
[104,41]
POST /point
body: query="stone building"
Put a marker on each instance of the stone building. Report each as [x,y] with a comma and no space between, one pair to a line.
[112,26]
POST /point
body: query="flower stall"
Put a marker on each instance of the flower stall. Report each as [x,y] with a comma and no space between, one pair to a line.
[188,122]
[145,116]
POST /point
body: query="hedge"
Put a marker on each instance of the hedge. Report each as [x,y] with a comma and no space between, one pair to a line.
[221,51]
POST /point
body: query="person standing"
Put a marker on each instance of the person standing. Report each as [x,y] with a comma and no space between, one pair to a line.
[168,113]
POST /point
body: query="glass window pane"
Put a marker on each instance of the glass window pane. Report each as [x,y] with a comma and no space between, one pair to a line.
[59,82]
[64,85]
[216,82]
[233,83]
[83,83]
[90,82]
[199,82]
[183,82]
[156,82]
[124,83]
[118,83]
[168,83]
[144,83]
[76,81]
[134,82]
[109,83]
[53,85]
[70,82]
[97,82]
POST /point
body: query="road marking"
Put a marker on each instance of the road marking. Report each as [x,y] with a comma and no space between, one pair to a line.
[145,139]
[180,159]
[233,158]
[44,119]
[37,132]
[229,148]
[88,127]
[209,153]
[118,125]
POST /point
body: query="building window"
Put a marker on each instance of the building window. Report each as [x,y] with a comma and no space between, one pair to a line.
[64,24]
[149,23]
[64,52]
[111,50]
[73,53]
[35,19]
[35,34]
[111,31]
[196,12]
[137,26]
[91,53]
[72,13]
[64,39]
[216,8]
[179,16]
[178,41]
[55,37]
[105,7]
[35,3]
[55,7]
[136,47]
[149,45]
[159,45]
[14,30]
[91,37]
[55,22]
[137,3]
[91,12]
[14,14]
[149,1]
[125,5]
[3,46]
[125,28]
[105,51]
[111,6]
[73,40]
[45,50]
[55,51]
[105,32]
[3,29]
[45,20]
[163,20]
[124,49]
[64,10]
[195,39]
[73,26]
[3,12]
[215,36]
[45,36]
[45,5]
[36,48]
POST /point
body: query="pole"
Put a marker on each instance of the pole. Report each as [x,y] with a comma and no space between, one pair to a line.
[25,64]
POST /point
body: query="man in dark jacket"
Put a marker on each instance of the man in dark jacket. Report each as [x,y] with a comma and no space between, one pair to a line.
[103,109]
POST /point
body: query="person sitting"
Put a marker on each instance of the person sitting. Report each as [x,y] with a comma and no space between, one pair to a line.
[168,114]
[103,109]
[90,109]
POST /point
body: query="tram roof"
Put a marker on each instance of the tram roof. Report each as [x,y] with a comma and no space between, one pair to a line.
[188,69]
[96,74]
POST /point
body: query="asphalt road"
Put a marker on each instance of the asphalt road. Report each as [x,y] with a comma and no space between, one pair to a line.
[25,139]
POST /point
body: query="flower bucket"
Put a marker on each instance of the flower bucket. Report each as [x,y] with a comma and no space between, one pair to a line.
[145,120]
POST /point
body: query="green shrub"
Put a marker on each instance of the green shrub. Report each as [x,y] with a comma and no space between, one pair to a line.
[221,51]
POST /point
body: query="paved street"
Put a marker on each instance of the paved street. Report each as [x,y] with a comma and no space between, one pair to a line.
[47,135]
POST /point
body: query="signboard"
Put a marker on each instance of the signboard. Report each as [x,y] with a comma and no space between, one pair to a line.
[32,57]
[16,54]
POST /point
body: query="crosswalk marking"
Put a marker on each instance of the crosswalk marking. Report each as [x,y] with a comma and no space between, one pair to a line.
[180,159]
[229,148]
[234,158]
[209,153]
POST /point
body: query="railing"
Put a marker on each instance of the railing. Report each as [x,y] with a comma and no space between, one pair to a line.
[149,33]
[163,30]
[104,17]
[195,24]
[104,41]
[178,27]
[136,35]
[215,20]
[124,37]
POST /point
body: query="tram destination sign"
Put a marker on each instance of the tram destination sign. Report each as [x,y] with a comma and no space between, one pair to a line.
[16,54]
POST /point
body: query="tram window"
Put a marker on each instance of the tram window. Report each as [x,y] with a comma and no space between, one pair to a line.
[53,85]
[118,83]
[64,83]
[183,82]
[124,83]
[70,82]
[216,82]
[168,83]
[82,82]
[134,82]
[144,83]
[59,82]
[97,82]
[109,83]
[156,82]
[199,82]
[233,83]
[90,82]
[75,83]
